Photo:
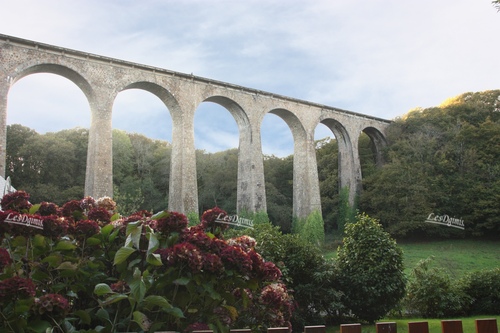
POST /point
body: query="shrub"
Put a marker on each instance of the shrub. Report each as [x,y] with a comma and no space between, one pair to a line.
[483,290]
[431,293]
[305,271]
[69,273]
[370,269]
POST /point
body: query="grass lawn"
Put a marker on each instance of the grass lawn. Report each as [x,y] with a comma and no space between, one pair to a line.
[456,256]
[434,325]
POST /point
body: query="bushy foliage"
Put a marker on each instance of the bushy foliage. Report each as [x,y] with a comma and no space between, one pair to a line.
[431,293]
[305,271]
[370,269]
[442,160]
[64,272]
[482,289]
[311,228]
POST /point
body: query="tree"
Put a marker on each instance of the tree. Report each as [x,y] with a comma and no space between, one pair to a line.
[496,4]
[370,269]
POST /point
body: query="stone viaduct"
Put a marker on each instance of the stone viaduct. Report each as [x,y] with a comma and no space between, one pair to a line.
[102,78]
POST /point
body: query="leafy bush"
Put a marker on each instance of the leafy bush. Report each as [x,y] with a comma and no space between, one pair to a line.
[483,290]
[370,269]
[61,271]
[311,229]
[305,271]
[431,293]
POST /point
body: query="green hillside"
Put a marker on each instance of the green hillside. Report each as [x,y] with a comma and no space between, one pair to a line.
[456,256]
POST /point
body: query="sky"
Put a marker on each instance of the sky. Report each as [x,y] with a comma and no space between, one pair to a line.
[379,57]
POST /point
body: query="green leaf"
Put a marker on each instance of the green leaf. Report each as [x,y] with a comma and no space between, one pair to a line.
[182,281]
[113,299]
[53,260]
[102,289]
[142,320]
[176,312]
[39,326]
[153,243]
[102,314]
[114,234]
[18,241]
[68,266]
[115,217]
[65,245]
[39,241]
[134,236]
[107,229]
[137,286]
[92,241]
[122,254]
[160,215]
[33,209]
[154,300]
[83,315]
[154,259]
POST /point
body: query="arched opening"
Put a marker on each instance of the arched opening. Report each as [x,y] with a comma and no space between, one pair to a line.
[142,149]
[217,138]
[278,148]
[328,176]
[47,134]
[373,142]
[334,158]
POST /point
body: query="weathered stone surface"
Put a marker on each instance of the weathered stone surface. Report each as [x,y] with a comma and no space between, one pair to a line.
[102,78]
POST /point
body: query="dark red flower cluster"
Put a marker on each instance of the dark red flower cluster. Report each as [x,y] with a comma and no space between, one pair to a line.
[17,201]
[4,226]
[54,305]
[48,208]
[236,258]
[279,301]
[106,203]
[16,288]
[246,243]
[55,226]
[182,254]
[209,217]
[72,209]
[197,327]
[86,228]
[197,237]
[99,214]
[88,203]
[224,315]
[5,259]
[120,287]
[276,296]
[174,222]
[212,263]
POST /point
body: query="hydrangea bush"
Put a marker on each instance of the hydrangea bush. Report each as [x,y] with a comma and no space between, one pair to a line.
[84,268]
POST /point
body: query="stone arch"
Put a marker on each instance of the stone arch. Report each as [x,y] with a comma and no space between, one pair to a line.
[161,92]
[236,111]
[306,197]
[345,155]
[250,194]
[379,143]
[61,70]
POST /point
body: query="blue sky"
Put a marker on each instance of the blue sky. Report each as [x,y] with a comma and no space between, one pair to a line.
[378,57]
